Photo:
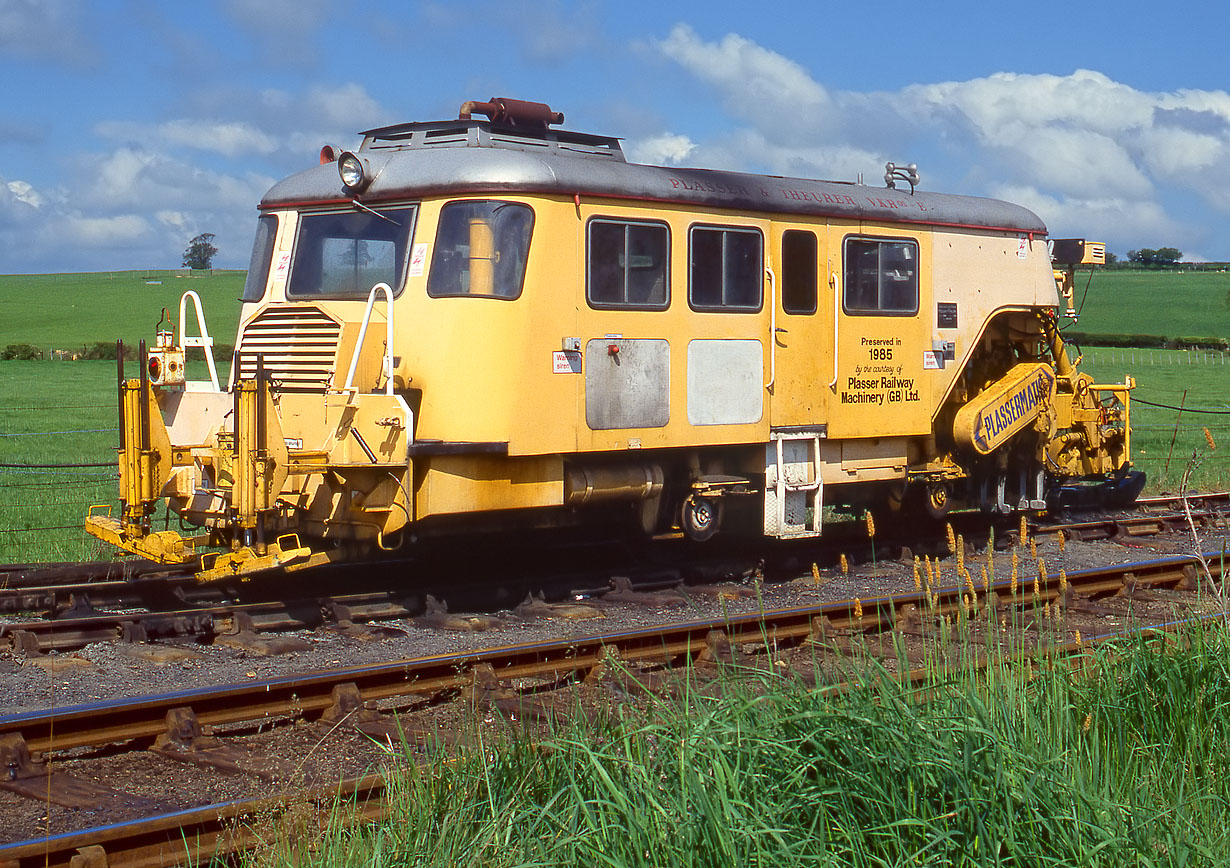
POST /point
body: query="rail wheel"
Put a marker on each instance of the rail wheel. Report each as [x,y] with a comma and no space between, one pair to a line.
[701,517]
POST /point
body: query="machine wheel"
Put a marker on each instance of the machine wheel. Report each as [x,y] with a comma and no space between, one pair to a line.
[701,517]
[937,499]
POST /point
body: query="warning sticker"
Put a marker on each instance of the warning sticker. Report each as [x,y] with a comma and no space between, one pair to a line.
[565,362]
[931,360]
[418,260]
[279,273]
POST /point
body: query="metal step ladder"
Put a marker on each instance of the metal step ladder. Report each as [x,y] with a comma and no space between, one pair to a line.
[793,487]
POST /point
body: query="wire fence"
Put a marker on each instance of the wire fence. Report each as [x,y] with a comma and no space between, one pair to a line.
[50,476]
[1169,358]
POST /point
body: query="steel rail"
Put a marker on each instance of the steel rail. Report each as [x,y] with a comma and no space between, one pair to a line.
[221,830]
[144,718]
[1111,527]
[192,836]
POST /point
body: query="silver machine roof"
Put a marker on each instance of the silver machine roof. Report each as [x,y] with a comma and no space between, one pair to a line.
[503,157]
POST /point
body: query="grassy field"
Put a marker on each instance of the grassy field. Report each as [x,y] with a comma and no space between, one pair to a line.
[1168,303]
[69,311]
[55,413]
[1164,441]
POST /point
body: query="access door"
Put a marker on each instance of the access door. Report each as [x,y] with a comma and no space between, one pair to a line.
[801,360]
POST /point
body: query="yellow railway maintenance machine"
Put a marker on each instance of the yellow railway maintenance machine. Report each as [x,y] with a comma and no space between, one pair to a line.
[474,325]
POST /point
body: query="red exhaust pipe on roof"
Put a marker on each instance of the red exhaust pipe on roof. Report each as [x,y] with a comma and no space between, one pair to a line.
[513,112]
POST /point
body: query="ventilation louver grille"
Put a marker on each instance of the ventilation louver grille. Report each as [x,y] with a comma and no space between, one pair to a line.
[298,344]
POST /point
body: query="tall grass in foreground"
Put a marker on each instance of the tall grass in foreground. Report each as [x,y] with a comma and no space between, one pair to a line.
[1121,762]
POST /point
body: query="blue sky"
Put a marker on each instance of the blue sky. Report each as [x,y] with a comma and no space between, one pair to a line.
[129,126]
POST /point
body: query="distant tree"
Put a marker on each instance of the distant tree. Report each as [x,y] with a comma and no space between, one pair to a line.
[1163,256]
[1111,258]
[200,252]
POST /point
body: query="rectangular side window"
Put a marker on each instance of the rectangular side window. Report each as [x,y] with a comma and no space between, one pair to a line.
[881,277]
[799,271]
[343,254]
[481,249]
[262,256]
[628,264]
[725,269]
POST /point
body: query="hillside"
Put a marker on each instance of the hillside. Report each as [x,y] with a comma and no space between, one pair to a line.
[1165,303]
[69,311]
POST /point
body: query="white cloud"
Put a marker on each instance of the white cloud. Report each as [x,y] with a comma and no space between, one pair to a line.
[746,149]
[23,192]
[664,149]
[229,138]
[754,82]
[1083,150]
[348,105]
[1100,218]
[1175,152]
[153,185]
[44,29]
[127,208]
[144,179]
[287,29]
[1078,162]
[1089,137]
[299,123]
[552,31]
[121,230]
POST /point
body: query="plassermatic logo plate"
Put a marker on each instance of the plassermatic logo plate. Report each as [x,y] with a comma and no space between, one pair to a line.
[994,416]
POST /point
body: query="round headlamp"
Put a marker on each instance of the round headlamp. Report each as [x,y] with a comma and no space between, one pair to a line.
[351,170]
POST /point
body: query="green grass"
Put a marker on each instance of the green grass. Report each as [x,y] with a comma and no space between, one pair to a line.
[55,413]
[1123,762]
[65,413]
[1167,303]
[70,311]
[1164,441]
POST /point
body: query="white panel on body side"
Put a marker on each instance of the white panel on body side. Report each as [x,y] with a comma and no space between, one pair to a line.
[627,383]
[725,382]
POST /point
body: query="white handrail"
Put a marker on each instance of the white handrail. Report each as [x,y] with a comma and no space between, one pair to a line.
[388,341]
[833,279]
[772,328]
[203,340]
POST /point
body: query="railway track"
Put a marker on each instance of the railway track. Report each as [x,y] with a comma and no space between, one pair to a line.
[528,684]
[78,605]
[1153,515]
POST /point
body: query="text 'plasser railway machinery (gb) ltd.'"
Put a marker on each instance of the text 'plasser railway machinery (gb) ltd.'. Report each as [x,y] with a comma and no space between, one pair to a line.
[474,325]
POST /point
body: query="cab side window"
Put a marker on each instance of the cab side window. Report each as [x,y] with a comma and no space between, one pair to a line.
[481,249]
[881,277]
[262,256]
[628,264]
[725,269]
